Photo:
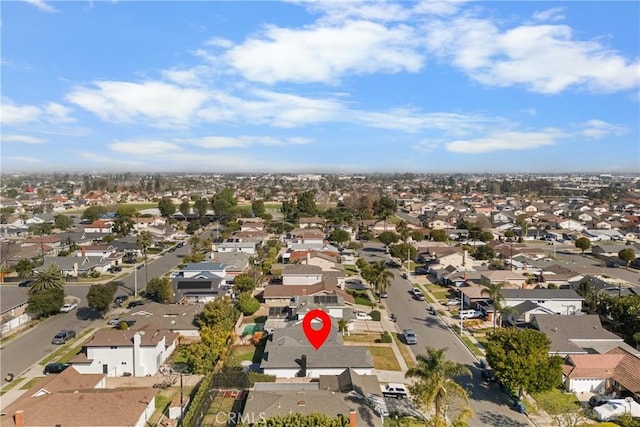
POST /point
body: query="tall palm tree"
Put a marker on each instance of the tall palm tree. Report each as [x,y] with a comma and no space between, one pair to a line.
[381,277]
[436,385]
[144,241]
[49,278]
[494,291]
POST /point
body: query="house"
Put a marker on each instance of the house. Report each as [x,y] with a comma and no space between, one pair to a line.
[298,250]
[345,393]
[325,262]
[305,236]
[582,334]
[196,269]
[74,399]
[236,246]
[281,300]
[313,222]
[453,256]
[301,274]
[115,352]
[617,371]
[289,355]
[73,266]
[198,289]
[178,318]
[558,301]
[513,278]
[101,226]
[95,251]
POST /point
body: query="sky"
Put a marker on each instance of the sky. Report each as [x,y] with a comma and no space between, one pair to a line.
[312,87]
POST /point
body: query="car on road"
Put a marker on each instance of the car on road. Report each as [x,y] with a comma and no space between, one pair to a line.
[432,310]
[63,336]
[135,303]
[394,390]
[25,283]
[363,316]
[55,368]
[409,337]
[115,269]
[383,295]
[404,276]
[68,307]
[613,264]
[417,294]
[114,322]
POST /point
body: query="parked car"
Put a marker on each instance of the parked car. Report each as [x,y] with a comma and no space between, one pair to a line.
[114,322]
[471,314]
[115,269]
[613,264]
[489,375]
[55,368]
[68,307]
[383,295]
[409,337]
[431,309]
[180,245]
[63,336]
[363,316]
[421,270]
[452,302]
[393,318]
[135,303]
[394,390]
[117,302]
[417,294]
[404,276]
[25,283]
[598,400]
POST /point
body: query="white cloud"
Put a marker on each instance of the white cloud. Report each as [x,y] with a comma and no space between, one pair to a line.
[14,114]
[41,5]
[598,129]
[101,158]
[162,103]
[143,147]
[24,159]
[501,141]
[544,58]
[24,139]
[57,113]
[553,14]
[325,53]
[439,7]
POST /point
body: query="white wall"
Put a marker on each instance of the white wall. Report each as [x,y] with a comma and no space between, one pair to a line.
[313,373]
[149,359]
[580,385]
[295,279]
[146,415]
[557,306]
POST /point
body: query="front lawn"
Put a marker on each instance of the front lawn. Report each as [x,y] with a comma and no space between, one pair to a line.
[556,402]
[30,383]
[361,298]
[369,338]
[384,359]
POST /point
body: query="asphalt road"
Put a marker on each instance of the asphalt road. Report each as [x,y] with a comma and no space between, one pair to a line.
[489,403]
[22,352]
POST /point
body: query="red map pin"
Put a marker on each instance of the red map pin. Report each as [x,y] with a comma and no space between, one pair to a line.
[316,337]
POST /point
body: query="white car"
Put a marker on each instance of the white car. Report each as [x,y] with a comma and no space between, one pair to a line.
[452,302]
[394,390]
[363,316]
[68,307]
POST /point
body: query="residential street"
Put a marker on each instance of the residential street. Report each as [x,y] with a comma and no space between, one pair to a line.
[489,403]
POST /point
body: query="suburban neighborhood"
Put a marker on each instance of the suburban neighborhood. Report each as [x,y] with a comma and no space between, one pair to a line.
[184,305]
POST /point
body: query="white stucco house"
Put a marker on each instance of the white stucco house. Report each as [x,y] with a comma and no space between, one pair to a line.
[301,274]
[116,352]
[245,247]
[558,301]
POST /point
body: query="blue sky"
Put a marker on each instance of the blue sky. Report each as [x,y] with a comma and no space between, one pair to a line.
[339,86]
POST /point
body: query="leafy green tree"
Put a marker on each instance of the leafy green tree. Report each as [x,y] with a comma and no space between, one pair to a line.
[100,297]
[45,302]
[290,211]
[201,206]
[388,237]
[583,243]
[220,311]
[384,207]
[166,207]
[339,236]
[258,209]
[24,268]
[402,250]
[160,289]
[403,230]
[122,226]
[144,242]
[185,207]
[509,234]
[126,211]
[243,283]
[494,291]
[200,358]
[435,386]
[248,304]
[306,203]
[49,278]
[520,358]
[627,255]
[484,252]
[93,213]
[485,236]
[222,203]
[438,235]
[62,222]
[417,235]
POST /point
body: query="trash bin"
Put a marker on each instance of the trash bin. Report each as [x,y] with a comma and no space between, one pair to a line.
[9,377]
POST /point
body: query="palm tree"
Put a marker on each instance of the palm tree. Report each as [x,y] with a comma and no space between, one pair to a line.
[144,241]
[494,291]
[436,383]
[49,278]
[381,277]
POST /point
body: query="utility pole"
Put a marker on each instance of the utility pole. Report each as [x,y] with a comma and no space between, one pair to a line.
[135,279]
[181,402]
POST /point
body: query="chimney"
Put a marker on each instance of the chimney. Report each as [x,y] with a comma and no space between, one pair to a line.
[84,252]
[304,292]
[352,418]
[303,365]
[18,418]
[308,257]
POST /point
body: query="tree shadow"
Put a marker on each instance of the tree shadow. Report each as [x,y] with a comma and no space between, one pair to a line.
[87,313]
[499,420]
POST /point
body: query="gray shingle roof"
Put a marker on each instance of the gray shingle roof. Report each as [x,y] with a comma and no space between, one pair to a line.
[568,333]
[542,294]
[302,269]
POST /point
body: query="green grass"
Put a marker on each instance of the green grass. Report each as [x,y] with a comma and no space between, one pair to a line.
[64,349]
[350,269]
[555,402]
[218,405]
[472,346]
[361,298]
[404,351]
[384,358]
[368,338]
[242,353]
[112,208]
[30,383]
[179,355]
[70,354]
[8,386]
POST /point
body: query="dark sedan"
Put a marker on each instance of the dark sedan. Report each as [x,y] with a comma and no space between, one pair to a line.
[55,368]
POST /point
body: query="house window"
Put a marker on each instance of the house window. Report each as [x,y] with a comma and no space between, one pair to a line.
[124,363]
[113,347]
[541,301]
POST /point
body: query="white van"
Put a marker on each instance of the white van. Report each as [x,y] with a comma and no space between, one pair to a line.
[470,314]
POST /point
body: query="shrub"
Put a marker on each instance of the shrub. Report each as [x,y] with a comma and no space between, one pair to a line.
[248,304]
[123,326]
[385,338]
[375,315]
